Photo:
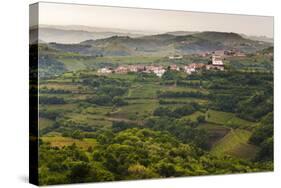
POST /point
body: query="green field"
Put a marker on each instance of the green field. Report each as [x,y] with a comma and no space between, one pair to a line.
[228,119]
[44,123]
[136,110]
[194,116]
[235,143]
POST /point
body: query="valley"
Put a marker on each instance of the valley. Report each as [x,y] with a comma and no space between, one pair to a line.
[105,108]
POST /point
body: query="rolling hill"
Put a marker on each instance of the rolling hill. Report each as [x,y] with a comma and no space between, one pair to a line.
[76,34]
[163,44]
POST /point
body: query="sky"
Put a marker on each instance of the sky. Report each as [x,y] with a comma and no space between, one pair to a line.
[151,20]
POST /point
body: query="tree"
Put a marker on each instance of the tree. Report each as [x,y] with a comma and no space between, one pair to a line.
[119,101]
[79,172]
[99,174]
[265,153]
[171,75]
[138,171]
[201,119]
[76,134]
[166,169]
[90,149]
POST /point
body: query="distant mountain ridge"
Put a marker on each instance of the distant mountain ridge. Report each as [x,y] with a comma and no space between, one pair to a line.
[70,34]
[75,34]
[163,44]
[181,33]
[96,29]
[259,38]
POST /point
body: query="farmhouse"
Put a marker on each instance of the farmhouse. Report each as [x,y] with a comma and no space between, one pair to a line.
[188,69]
[193,67]
[158,70]
[204,54]
[174,67]
[105,71]
[197,66]
[136,68]
[219,52]
[175,57]
[132,68]
[121,70]
[217,63]
[217,60]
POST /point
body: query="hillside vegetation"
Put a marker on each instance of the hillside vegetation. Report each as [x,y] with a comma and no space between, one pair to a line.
[110,126]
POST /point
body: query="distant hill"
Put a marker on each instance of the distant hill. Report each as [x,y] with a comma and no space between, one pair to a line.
[75,34]
[259,38]
[163,44]
[181,33]
[97,29]
[70,34]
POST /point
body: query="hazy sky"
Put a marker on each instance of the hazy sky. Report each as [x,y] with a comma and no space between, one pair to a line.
[152,20]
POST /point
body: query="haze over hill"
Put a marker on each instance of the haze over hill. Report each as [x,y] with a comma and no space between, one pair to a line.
[124,44]
[77,33]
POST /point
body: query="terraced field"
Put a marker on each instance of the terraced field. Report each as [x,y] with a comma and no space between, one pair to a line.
[227,133]
[194,116]
[215,132]
[136,110]
[228,119]
[235,143]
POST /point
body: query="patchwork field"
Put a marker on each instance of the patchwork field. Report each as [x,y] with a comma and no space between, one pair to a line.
[228,134]
[139,125]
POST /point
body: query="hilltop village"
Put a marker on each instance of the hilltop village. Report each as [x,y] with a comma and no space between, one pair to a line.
[216,62]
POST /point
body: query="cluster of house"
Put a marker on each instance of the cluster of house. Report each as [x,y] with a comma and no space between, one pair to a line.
[158,70]
[216,63]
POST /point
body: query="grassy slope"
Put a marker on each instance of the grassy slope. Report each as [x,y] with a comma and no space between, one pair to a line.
[235,143]
[137,110]
[193,116]
[44,123]
[227,119]
[59,141]
[88,119]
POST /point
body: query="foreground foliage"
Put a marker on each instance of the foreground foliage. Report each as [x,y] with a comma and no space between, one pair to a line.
[134,154]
